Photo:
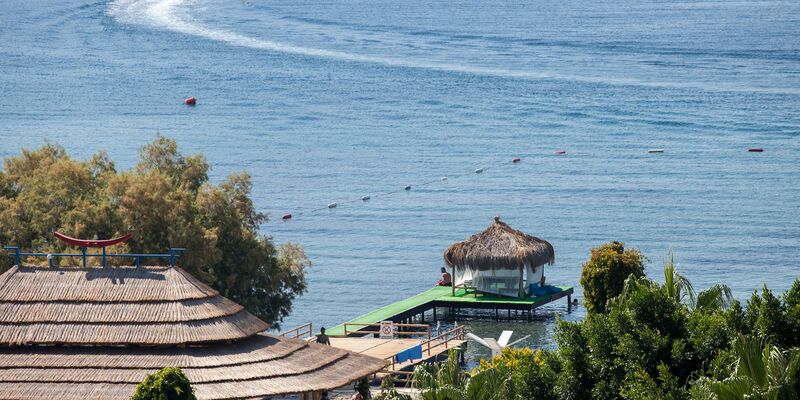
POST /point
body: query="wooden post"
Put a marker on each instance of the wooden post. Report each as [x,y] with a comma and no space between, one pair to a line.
[315,396]
[434,313]
[453,280]
[522,282]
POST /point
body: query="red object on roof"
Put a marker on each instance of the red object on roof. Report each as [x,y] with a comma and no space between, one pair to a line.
[190,101]
[92,243]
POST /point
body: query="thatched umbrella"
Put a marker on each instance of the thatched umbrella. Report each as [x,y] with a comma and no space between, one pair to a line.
[500,247]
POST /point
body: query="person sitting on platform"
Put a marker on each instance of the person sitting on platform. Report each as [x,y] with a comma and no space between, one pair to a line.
[446,280]
[322,338]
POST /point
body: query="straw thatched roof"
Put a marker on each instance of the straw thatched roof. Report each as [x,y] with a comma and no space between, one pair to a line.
[145,306]
[96,333]
[260,366]
[499,247]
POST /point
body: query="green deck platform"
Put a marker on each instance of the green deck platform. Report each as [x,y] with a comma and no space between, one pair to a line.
[441,296]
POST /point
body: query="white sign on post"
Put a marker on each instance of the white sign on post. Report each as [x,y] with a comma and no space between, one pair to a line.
[387,330]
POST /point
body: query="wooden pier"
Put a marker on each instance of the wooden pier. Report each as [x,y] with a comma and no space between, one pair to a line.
[387,349]
[406,336]
[442,297]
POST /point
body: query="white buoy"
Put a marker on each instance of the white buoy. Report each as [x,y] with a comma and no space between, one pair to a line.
[479,170]
[444,178]
[653,151]
[332,205]
[365,198]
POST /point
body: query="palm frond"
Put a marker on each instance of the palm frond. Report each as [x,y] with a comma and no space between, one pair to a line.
[753,354]
[714,298]
[488,384]
[677,286]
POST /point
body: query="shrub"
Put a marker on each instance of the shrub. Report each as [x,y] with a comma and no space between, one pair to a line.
[167,384]
[603,275]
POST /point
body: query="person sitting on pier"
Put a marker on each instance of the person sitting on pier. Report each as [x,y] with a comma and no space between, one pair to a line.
[322,338]
[446,280]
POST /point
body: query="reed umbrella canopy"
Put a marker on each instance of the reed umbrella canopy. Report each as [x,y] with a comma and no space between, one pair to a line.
[95,333]
[500,260]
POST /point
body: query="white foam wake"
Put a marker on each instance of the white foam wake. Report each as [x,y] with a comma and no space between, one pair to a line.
[162,13]
[166,14]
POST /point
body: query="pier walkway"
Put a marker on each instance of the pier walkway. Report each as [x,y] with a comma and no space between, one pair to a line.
[442,296]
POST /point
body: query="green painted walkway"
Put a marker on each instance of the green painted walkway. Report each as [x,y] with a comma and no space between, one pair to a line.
[442,293]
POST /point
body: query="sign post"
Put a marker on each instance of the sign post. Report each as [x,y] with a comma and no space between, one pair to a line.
[387,330]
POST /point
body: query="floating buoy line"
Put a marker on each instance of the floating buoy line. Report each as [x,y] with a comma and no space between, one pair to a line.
[407,188]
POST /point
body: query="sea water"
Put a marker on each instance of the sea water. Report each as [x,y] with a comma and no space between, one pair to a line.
[327,102]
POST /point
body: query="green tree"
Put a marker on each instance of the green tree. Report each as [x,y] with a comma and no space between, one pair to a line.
[762,371]
[651,341]
[774,318]
[166,384]
[166,200]
[604,274]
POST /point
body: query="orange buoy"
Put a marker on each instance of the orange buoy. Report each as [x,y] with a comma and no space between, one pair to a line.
[560,152]
[190,101]
[756,150]
[287,216]
[516,160]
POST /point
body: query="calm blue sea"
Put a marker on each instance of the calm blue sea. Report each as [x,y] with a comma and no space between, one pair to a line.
[328,101]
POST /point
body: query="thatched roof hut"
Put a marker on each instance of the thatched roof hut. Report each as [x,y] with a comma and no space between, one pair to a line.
[499,260]
[96,334]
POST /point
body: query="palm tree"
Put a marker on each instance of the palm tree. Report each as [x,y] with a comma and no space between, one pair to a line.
[676,285]
[441,381]
[679,288]
[762,371]
[714,298]
[448,382]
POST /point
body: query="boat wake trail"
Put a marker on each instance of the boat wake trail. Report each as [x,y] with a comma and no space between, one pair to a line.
[174,15]
[164,14]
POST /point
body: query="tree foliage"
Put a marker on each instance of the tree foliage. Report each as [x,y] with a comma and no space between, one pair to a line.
[166,384]
[604,274]
[167,200]
[762,371]
[652,341]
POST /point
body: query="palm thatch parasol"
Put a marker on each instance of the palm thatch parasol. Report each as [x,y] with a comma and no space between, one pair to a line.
[499,247]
